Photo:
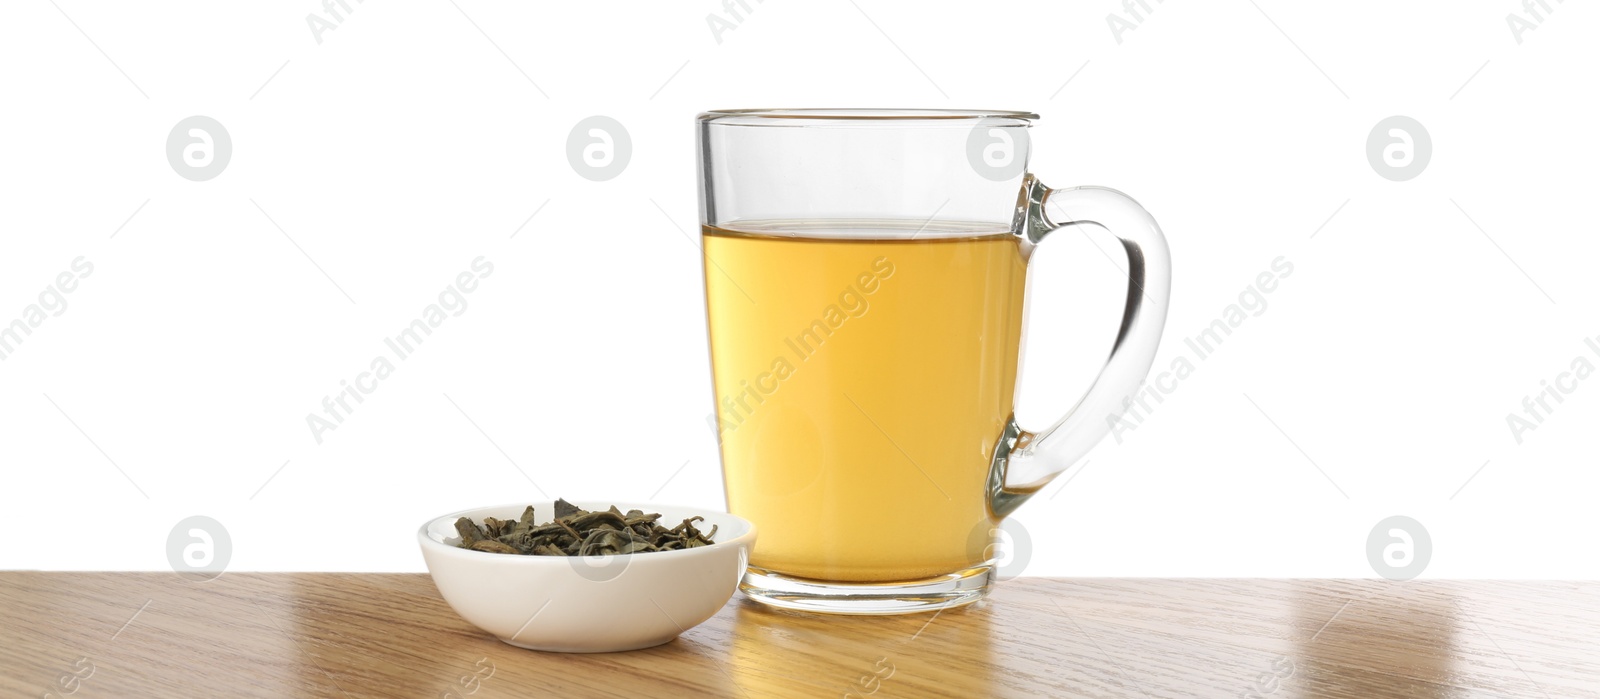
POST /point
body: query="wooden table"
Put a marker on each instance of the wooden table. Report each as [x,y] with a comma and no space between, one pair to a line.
[350,635]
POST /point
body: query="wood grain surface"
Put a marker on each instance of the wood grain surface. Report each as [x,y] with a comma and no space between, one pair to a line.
[364,635]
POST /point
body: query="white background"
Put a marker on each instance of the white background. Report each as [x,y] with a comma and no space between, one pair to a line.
[409,142]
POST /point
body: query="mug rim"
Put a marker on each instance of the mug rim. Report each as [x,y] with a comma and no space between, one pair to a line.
[861,116]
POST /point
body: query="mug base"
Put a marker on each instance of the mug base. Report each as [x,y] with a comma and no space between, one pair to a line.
[899,597]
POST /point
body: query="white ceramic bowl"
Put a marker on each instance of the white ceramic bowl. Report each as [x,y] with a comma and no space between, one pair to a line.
[588,604]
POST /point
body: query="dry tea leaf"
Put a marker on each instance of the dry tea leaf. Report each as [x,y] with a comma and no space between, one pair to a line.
[579,532]
[470,533]
[492,546]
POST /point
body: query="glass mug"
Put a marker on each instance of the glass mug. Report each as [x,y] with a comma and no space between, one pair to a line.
[866,276]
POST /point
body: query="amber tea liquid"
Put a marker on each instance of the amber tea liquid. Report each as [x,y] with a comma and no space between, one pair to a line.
[862,379]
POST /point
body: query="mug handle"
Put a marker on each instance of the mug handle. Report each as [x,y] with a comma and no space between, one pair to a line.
[1025,461]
